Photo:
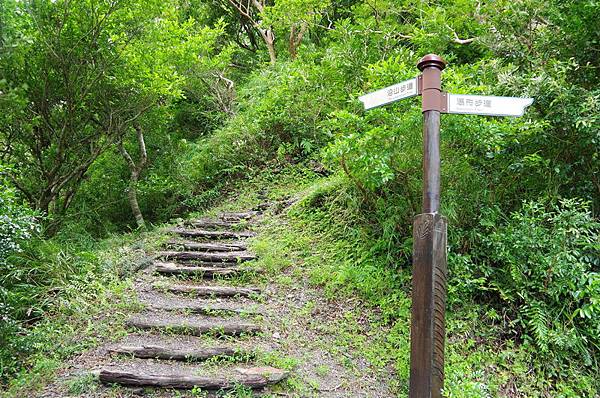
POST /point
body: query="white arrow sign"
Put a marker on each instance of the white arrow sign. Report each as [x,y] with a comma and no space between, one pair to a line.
[487,105]
[389,94]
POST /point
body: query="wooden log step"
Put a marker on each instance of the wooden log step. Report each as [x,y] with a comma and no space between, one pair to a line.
[201,233]
[219,291]
[206,247]
[232,216]
[176,354]
[262,206]
[176,269]
[194,327]
[201,264]
[211,306]
[210,224]
[204,309]
[255,378]
[210,257]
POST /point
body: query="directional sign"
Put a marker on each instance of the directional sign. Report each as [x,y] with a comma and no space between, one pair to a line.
[487,105]
[389,94]
[429,274]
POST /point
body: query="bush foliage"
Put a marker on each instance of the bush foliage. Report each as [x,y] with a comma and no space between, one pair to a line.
[543,264]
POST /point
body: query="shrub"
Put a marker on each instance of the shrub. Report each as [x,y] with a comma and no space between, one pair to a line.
[17,224]
[278,113]
[544,264]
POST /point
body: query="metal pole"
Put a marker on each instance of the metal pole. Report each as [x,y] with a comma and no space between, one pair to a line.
[429,276]
[431,86]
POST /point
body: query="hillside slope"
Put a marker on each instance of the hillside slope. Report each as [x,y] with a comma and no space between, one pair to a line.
[335,314]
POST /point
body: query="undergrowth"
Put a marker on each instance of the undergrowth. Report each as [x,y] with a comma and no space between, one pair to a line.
[81,295]
[490,349]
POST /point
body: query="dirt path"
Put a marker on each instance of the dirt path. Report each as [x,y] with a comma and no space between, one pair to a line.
[211,324]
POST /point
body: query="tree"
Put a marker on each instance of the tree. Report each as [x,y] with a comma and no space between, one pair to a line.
[293,16]
[159,68]
[135,168]
[83,75]
[251,11]
[67,102]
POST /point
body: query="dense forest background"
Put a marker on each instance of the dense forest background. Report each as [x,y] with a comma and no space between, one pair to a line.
[117,115]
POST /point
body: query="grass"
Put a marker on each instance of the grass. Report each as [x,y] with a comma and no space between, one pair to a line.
[88,309]
[84,384]
[325,239]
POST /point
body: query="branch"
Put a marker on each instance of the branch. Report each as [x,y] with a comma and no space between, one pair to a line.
[57,187]
[68,198]
[296,36]
[329,27]
[220,76]
[135,169]
[249,34]
[464,41]
[259,6]
[21,188]
[126,156]
[459,40]
[246,13]
[95,29]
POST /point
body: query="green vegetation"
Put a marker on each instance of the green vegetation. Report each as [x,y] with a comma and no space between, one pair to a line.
[120,115]
[493,345]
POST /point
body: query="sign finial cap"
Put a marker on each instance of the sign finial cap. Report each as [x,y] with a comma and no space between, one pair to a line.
[431,60]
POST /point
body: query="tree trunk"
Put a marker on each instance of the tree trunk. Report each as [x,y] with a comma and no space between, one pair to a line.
[133,202]
[248,9]
[296,36]
[136,169]
[269,38]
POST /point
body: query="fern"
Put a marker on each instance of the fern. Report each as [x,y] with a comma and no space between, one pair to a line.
[536,318]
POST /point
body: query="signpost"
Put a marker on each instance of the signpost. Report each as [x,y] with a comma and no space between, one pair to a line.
[487,105]
[429,275]
[405,89]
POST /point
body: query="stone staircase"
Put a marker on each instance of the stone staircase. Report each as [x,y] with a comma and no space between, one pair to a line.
[195,329]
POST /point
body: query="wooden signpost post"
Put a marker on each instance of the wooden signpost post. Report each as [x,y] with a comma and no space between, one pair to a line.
[429,274]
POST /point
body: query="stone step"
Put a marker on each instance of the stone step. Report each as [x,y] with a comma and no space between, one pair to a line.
[202,233]
[193,325]
[162,376]
[211,257]
[206,246]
